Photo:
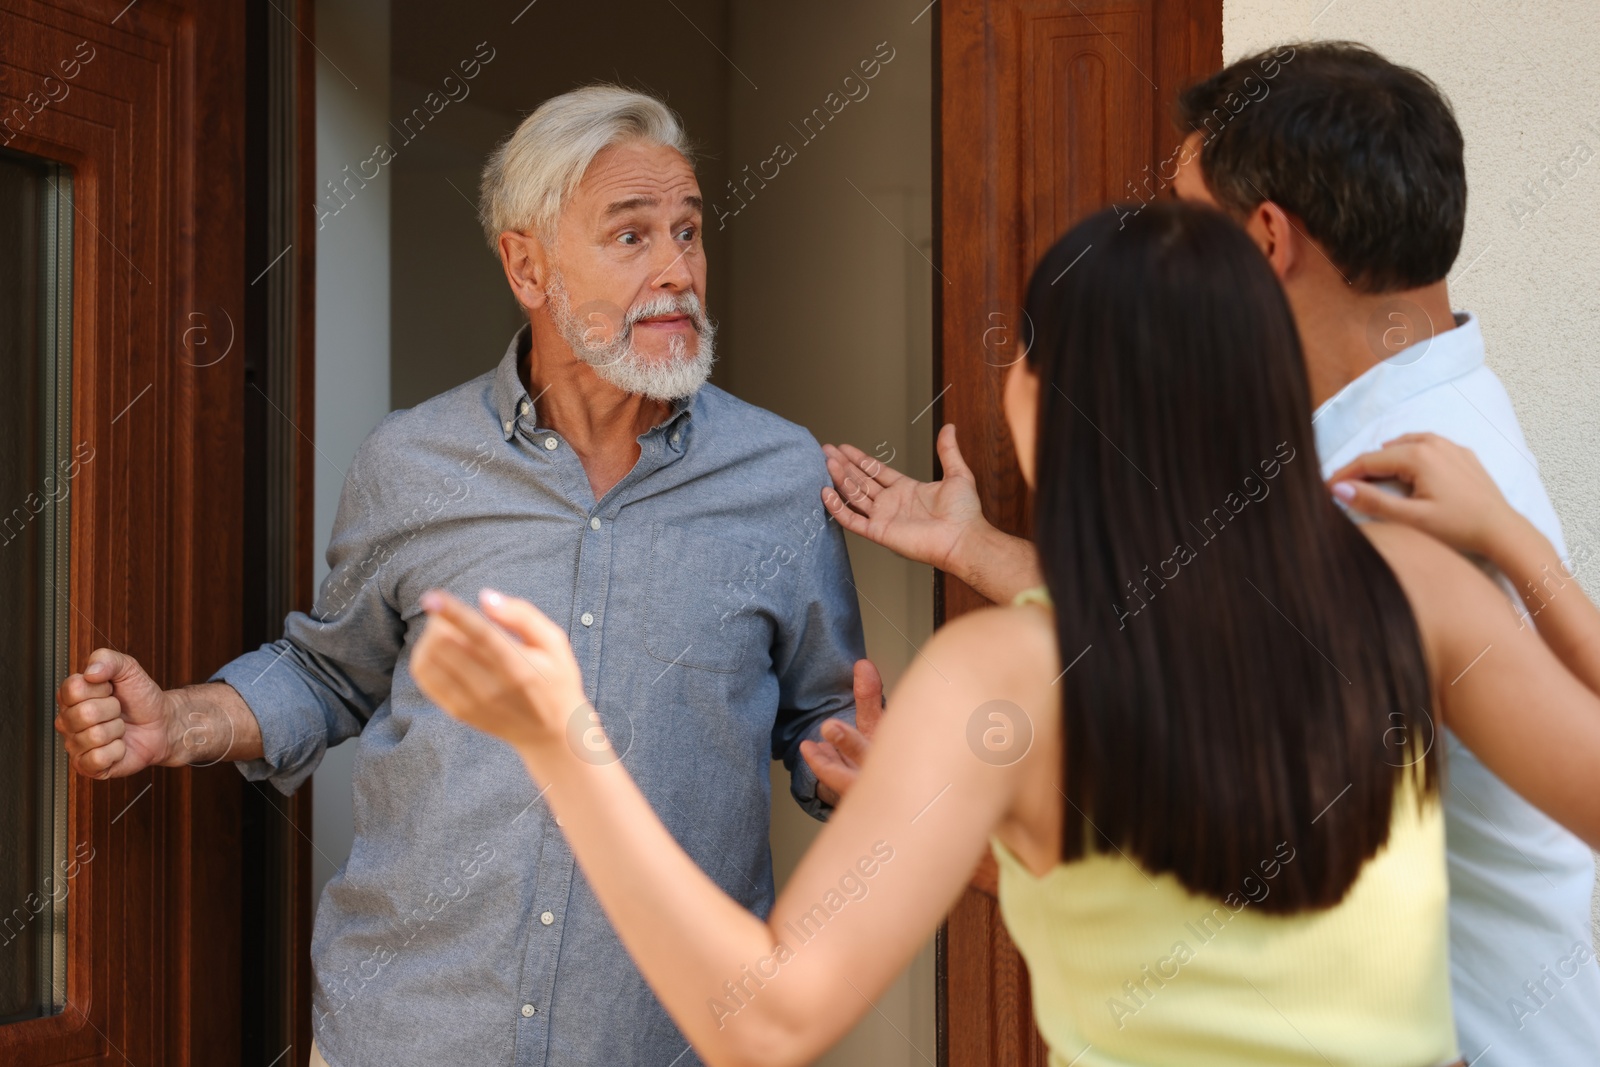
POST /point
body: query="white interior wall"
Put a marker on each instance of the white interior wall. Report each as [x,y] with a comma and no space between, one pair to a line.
[1526,91]
[829,322]
[352,317]
[452,312]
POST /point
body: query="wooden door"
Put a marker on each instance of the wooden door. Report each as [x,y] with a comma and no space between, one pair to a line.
[133,114]
[1048,110]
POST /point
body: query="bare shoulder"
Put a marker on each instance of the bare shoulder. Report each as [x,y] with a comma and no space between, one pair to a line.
[1449,596]
[1010,650]
[1014,721]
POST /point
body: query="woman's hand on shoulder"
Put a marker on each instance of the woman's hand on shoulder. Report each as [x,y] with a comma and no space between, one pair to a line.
[1452,497]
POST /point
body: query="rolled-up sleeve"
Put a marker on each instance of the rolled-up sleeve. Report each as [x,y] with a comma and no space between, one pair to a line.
[322,680]
[815,657]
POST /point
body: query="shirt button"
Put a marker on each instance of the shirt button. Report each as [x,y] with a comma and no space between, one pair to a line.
[549,444]
[586,619]
[507,425]
[675,437]
[547,918]
[528,1010]
[594,523]
[523,407]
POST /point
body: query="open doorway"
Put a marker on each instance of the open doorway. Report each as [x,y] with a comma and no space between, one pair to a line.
[814,126]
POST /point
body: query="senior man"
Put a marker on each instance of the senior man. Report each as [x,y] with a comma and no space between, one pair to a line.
[675,530]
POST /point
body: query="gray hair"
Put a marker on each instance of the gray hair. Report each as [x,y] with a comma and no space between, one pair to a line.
[532,173]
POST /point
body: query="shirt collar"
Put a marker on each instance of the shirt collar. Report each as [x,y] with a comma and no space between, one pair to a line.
[676,425]
[1414,369]
[510,396]
[512,402]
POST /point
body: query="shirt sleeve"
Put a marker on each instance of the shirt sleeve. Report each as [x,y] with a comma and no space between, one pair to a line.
[322,680]
[815,657]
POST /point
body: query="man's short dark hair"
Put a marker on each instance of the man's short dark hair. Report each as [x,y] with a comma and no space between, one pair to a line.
[1365,152]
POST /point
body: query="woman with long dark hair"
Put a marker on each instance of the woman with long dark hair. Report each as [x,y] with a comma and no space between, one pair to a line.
[1204,759]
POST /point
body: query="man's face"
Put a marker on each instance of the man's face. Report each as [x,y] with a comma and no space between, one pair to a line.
[1190,183]
[628,277]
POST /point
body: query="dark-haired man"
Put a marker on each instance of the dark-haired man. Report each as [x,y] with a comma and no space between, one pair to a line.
[1347,171]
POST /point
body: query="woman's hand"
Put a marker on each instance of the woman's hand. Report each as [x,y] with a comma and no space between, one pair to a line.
[517,680]
[1452,496]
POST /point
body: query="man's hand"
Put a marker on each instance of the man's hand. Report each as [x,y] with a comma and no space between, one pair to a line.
[836,760]
[923,521]
[115,720]
[939,523]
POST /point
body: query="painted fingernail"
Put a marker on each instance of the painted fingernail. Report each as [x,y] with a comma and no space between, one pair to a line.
[432,601]
[1344,491]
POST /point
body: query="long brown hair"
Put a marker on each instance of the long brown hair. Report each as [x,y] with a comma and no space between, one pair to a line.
[1246,673]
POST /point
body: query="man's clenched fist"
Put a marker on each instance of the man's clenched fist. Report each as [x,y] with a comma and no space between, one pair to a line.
[115,719]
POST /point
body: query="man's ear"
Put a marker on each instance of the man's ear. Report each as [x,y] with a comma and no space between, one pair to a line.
[527,267]
[1277,236]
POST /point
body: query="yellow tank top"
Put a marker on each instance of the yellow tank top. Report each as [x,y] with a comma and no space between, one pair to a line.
[1130,968]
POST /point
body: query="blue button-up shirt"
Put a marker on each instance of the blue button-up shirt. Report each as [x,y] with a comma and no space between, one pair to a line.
[709,601]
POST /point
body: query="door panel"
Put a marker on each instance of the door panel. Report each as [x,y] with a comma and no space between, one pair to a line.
[143,103]
[36,470]
[1048,110]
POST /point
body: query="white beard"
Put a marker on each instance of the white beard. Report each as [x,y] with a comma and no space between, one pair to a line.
[615,359]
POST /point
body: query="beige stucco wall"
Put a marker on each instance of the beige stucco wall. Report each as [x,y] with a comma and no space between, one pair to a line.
[1526,90]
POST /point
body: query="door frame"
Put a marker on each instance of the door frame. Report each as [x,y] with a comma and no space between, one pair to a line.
[1001,196]
[148,123]
[191,135]
[278,412]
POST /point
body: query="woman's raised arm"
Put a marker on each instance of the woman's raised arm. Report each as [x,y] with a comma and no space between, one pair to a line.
[881,875]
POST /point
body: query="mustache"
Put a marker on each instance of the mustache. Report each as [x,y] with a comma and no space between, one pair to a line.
[687,304]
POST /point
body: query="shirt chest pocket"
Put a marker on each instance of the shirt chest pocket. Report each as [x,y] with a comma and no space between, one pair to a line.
[712,601]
